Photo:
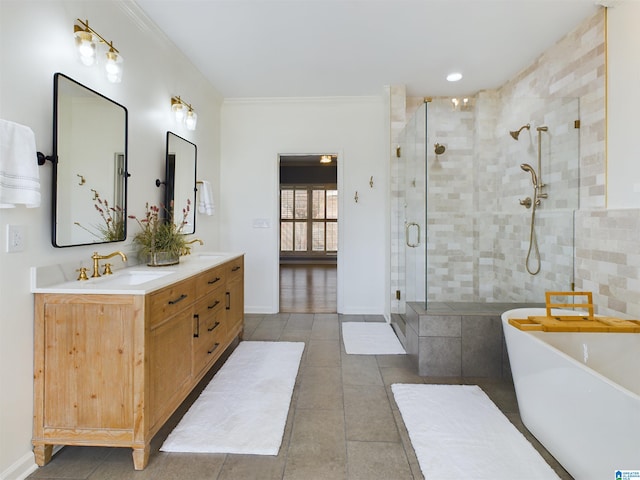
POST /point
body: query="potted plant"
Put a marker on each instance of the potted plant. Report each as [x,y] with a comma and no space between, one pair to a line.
[112,228]
[160,240]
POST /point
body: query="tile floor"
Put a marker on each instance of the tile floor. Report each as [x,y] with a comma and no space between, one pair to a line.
[342,424]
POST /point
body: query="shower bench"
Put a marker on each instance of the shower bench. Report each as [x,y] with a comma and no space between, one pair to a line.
[456,339]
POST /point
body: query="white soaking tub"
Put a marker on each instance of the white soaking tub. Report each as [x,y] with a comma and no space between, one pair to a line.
[579,395]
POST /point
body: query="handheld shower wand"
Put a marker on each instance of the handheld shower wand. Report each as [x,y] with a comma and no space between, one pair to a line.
[528,168]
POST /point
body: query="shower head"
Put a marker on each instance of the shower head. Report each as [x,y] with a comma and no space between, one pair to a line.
[528,168]
[439,149]
[516,133]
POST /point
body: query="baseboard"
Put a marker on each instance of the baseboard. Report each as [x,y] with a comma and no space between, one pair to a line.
[24,467]
[21,468]
[259,310]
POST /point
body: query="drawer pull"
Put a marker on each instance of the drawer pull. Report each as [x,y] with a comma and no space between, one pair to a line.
[211,282]
[215,304]
[215,346]
[211,329]
[235,269]
[179,299]
[196,334]
[228,305]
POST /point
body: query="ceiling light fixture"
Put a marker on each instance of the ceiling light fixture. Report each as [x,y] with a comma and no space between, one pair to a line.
[454,77]
[184,113]
[87,41]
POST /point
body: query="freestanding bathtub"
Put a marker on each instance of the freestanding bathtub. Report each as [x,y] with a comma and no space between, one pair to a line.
[579,395]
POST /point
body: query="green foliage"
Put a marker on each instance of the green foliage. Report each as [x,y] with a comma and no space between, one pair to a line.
[159,234]
[112,228]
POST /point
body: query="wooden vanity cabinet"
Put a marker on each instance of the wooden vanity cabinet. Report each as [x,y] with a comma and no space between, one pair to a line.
[111,369]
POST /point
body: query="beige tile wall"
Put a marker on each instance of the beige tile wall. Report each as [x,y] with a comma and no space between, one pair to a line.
[607,253]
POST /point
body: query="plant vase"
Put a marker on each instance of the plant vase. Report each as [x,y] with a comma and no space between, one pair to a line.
[163,259]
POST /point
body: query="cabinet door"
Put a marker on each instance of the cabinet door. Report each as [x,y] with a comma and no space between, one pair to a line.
[235,296]
[209,332]
[170,363]
[87,364]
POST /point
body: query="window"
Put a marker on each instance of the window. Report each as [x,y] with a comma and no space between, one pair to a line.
[308,220]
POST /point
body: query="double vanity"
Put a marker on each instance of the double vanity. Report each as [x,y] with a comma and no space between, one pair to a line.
[116,355]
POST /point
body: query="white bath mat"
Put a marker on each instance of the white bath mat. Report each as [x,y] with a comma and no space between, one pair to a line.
[370,338]
[458,432]
[244,408]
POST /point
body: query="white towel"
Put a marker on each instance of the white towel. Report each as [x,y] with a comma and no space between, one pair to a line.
[19,177]
[206,205]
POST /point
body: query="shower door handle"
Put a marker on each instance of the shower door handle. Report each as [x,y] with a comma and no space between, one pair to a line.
[406,234]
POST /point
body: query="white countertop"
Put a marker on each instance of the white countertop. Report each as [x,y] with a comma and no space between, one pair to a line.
[134,280]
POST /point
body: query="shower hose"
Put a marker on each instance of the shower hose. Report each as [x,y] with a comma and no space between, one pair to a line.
[533,242]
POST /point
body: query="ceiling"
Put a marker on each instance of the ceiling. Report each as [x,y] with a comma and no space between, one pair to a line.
[317,48]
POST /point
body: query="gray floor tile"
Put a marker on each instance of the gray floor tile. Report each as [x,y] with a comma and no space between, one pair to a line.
[360,370]
[318,446]
[323,353]
[320,387]
[76,462]
[377,461]
[368,414]
[246,467]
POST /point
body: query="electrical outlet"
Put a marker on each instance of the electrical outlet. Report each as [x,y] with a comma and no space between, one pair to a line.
[15,238]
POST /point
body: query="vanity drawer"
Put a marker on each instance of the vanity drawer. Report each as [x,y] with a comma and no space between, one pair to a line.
[209,281]
[170,300]
[235,269]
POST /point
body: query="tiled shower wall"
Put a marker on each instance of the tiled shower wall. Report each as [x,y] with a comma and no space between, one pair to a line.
[489,267]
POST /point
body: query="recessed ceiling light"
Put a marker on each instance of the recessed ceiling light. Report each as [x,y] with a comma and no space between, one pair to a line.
[454,77]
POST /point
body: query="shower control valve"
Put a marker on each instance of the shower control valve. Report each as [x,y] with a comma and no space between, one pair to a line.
[527,202]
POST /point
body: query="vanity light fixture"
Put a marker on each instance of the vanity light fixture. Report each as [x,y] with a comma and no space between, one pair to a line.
[87,42]
[184,113]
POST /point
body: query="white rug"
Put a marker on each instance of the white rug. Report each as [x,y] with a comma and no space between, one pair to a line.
[370,338]
[245,406]
[458,432]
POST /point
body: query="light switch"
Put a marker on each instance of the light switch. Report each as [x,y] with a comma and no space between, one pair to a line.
[261,223]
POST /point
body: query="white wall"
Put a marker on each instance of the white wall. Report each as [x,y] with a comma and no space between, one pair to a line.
[254,133]
[623,150]
[36,40]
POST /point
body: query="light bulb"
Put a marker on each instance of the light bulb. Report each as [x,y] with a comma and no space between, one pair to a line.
[113,66]
[86,47]
[191,120]
[179,112]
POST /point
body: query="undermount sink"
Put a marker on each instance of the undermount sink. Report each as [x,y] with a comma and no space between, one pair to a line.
[209,256]
[134,277]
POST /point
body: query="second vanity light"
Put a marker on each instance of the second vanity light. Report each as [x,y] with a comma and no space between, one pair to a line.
[87,42]
[184,113]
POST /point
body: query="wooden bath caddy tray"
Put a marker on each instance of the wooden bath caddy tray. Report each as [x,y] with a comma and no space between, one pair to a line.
[574,323]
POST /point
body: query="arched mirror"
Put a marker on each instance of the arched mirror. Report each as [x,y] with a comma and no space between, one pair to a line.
[180,180]
[89,167]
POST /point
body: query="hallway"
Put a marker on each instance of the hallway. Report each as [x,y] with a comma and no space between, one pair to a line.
[306,288]
[343,422]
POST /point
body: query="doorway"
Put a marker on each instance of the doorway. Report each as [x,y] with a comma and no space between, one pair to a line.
[308,246]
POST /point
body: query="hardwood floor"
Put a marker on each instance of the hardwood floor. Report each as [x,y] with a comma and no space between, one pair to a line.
[308,289]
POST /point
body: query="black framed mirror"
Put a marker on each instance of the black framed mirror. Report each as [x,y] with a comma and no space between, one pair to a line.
[180,178]
[89,166]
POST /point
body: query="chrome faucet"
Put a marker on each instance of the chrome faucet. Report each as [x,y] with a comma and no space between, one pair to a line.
[96,258]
